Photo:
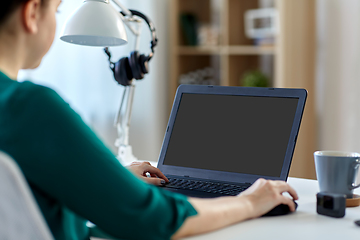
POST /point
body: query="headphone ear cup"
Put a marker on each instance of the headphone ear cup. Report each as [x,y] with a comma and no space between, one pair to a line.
[144,64]
[134,61]
[122,72]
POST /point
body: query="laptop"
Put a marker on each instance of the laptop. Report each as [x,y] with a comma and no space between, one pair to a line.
[220,140]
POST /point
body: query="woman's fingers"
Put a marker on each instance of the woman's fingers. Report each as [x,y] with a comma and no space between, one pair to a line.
[145,169]
[155,171]
[148,173]
[289,202]
[280,188]
[284,187]
[155,181]
[264,195]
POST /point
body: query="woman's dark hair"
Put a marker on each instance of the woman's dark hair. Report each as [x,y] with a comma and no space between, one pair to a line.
[7,7]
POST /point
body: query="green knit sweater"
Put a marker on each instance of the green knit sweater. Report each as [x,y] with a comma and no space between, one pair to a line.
[74,177]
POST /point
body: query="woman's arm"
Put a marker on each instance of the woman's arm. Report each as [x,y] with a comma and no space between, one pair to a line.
[217,213]
[78,178]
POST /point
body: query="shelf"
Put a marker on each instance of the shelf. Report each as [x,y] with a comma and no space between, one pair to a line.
[200,50]
[250,50]
[226,50]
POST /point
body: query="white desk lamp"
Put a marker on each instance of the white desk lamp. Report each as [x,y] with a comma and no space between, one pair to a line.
[97,23]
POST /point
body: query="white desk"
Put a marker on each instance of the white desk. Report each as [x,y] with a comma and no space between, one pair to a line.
[305,223]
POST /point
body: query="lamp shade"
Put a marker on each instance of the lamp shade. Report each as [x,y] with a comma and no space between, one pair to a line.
[95,23]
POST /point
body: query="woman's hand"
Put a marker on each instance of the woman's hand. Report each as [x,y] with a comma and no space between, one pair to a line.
[216,213]
[141,169]
[264,195]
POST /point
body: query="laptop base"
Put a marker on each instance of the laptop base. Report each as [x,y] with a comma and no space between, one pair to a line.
[194,193]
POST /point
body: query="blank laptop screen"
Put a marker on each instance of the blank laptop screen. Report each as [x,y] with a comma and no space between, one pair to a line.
[241,134]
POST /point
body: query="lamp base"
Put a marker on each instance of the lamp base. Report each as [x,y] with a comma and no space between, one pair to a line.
[125,155]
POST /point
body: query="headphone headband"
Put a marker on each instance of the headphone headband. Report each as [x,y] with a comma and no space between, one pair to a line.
[154,40]
[136,65]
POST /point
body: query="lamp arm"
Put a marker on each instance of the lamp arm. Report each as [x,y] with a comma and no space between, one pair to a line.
[125,12]
[123,8]
[122,123]
[127,23]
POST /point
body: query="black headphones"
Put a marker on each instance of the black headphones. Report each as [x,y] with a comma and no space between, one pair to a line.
[136,65]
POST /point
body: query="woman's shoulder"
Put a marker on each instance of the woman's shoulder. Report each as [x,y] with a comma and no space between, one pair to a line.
[28,87]
[29,94]
[30,91]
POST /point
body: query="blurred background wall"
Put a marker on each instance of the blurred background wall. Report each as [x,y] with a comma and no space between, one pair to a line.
[338,74]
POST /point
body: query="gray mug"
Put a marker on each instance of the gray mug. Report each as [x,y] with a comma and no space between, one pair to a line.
[336,171]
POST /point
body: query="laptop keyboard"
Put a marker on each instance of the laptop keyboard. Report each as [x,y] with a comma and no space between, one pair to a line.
[209,187]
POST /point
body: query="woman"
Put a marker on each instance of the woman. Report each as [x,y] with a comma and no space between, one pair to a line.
[73,176]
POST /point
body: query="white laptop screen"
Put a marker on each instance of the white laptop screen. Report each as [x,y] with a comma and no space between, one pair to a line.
[241,134]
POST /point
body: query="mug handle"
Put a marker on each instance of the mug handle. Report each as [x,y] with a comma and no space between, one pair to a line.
[355,165]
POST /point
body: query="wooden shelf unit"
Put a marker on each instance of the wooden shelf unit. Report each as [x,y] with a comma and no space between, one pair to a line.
[234,47]
[290,62]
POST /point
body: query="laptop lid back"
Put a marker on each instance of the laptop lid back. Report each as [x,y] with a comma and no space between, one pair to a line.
[232,134]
